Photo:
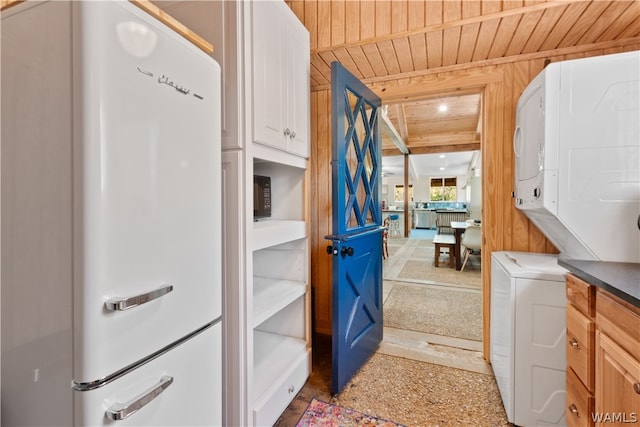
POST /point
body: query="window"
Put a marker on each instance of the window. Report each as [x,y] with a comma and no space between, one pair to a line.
[443,190]
[399,193]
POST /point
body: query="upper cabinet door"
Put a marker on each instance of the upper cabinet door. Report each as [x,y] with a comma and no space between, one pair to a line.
[280,78]
[268,74]
[298,89]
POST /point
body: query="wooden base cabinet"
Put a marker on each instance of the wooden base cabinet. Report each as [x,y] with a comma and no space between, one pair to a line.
[618,383]
[603,357]
[617,362]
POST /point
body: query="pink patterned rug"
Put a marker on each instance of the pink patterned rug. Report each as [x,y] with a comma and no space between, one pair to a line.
[323,414]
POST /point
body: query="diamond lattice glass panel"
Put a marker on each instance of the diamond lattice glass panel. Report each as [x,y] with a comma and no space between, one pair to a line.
[362,195]
[360,141]
[351,100]
[351,189]
[371,173]
[350,159]
[360,160]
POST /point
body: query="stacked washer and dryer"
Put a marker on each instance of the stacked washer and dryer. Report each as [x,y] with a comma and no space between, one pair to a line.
[577,178]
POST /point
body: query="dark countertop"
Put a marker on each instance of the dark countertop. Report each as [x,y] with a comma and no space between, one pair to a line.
[622,279]
[452,210]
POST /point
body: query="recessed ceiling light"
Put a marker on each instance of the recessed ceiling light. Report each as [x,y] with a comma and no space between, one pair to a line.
[441,168]
[442,108]
[442,156]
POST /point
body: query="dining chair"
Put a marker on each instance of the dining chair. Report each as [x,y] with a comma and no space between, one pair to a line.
[472,241]
[385,238]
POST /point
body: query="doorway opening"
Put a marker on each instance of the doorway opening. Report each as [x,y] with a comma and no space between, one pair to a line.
[431,146]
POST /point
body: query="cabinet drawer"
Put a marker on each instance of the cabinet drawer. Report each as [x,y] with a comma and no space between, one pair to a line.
[580,346]
[581,295]
[580,402]
[620,320]
[278,397]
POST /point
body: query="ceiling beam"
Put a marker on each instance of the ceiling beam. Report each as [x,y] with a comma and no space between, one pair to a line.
[451,148]
[451,138]
[395,136]
[402,122]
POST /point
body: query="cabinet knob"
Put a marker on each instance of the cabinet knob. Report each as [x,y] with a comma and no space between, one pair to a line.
[574,410]
[293,135]
[291,389]
[287,132]
[574,343]
[636,387]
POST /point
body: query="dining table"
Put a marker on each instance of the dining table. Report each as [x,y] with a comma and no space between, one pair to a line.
[458,228]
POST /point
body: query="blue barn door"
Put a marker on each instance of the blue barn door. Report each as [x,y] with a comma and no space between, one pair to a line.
[356,242]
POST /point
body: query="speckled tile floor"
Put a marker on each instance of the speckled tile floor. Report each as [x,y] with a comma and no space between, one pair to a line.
[415,378]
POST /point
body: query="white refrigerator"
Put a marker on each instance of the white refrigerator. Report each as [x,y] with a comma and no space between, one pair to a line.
[111,220]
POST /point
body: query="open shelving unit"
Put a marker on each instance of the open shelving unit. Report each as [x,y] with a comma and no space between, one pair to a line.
[268,233]
[281,303]
[272,295]
[280,296]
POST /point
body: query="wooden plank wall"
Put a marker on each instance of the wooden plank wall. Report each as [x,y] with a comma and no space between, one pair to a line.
[321,262]
[505,227]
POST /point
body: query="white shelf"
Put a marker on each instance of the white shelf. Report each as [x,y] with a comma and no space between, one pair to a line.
[272,295]
[273,356]
[271,154]
[274,232]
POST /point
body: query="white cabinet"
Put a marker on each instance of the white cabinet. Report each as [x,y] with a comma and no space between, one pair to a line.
[278,290]
[279,78]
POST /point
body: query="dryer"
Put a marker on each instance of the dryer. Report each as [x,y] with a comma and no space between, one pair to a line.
[577,156]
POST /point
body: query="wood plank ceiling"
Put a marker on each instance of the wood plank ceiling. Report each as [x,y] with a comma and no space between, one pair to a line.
[395,39]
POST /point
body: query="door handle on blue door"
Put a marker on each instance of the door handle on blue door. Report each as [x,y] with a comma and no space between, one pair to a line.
[346,250]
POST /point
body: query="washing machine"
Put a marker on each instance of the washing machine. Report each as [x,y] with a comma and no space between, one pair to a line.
[528,330]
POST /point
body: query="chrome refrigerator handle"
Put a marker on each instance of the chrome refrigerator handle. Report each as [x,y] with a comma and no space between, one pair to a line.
[120,411]
[121,304]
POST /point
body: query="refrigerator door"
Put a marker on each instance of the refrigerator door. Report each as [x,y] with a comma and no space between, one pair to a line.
[147,227]
[180,388]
